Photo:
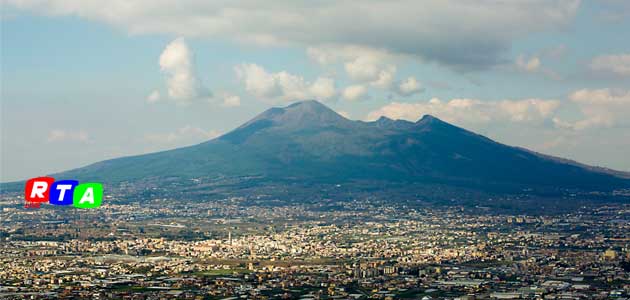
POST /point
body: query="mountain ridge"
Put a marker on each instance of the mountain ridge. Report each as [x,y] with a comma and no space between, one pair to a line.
[309,142]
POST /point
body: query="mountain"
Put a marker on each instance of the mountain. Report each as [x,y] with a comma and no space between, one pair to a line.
[307,143]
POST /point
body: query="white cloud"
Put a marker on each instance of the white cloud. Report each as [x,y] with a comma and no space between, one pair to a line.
[528,110]
[409,87]
[434,30]
[344,114]
[60,135]
[258,81]
[184,135]
[366,66]
[362,69]
[323,88]
[471,111]
[226,99]
[531,64]
[362,65]
[618,64]
[282,86]
[153,97]
[335,53]
[365,69]
[385,77]
[354,92]
[600,108]
[231,101]
[177,62]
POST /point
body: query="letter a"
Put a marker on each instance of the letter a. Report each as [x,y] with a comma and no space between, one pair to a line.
[87,195]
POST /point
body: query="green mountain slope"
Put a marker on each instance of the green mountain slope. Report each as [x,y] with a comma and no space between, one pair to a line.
[307,141]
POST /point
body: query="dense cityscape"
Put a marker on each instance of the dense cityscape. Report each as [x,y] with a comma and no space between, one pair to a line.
[367,249]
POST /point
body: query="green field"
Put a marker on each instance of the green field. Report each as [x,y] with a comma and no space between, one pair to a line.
[222,272]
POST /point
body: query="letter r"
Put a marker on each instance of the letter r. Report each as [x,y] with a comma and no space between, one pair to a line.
[38,189]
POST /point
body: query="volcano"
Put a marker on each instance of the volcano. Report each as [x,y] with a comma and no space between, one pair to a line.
[309,142]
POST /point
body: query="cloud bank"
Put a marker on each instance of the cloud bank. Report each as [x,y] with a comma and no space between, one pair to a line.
[432,30]
[600,108]
[470,111]
[618,64]
[282,87]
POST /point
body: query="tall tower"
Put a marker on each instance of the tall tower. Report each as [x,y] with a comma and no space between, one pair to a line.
[252,252]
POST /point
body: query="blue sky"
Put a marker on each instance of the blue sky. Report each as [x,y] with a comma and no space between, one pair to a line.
[84,81]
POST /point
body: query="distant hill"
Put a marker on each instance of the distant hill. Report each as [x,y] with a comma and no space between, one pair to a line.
[308,142]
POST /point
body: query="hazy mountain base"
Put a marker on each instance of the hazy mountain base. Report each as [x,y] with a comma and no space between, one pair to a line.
[306,152]
[259,191]
[309,142]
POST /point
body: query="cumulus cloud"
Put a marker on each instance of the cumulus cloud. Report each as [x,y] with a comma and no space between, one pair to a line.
[600,108]
[283,86]
[618,64]
[153,97]
[408,87]
[362,65]
[60,135]
[365,66]
[433,30]
[373,68]
[369,70]
[184,135]
[531,64]
[231,100]
[226,99]
[354,92]
[177,62]
[385,77]
[335,53]
[258,81]
[362,69]
[528,110]
[470,111]
[323,88]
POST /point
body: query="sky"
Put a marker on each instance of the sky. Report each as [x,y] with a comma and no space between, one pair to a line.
[84,81]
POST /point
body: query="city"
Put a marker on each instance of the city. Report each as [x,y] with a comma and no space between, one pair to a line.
[360,250]
[315,150]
